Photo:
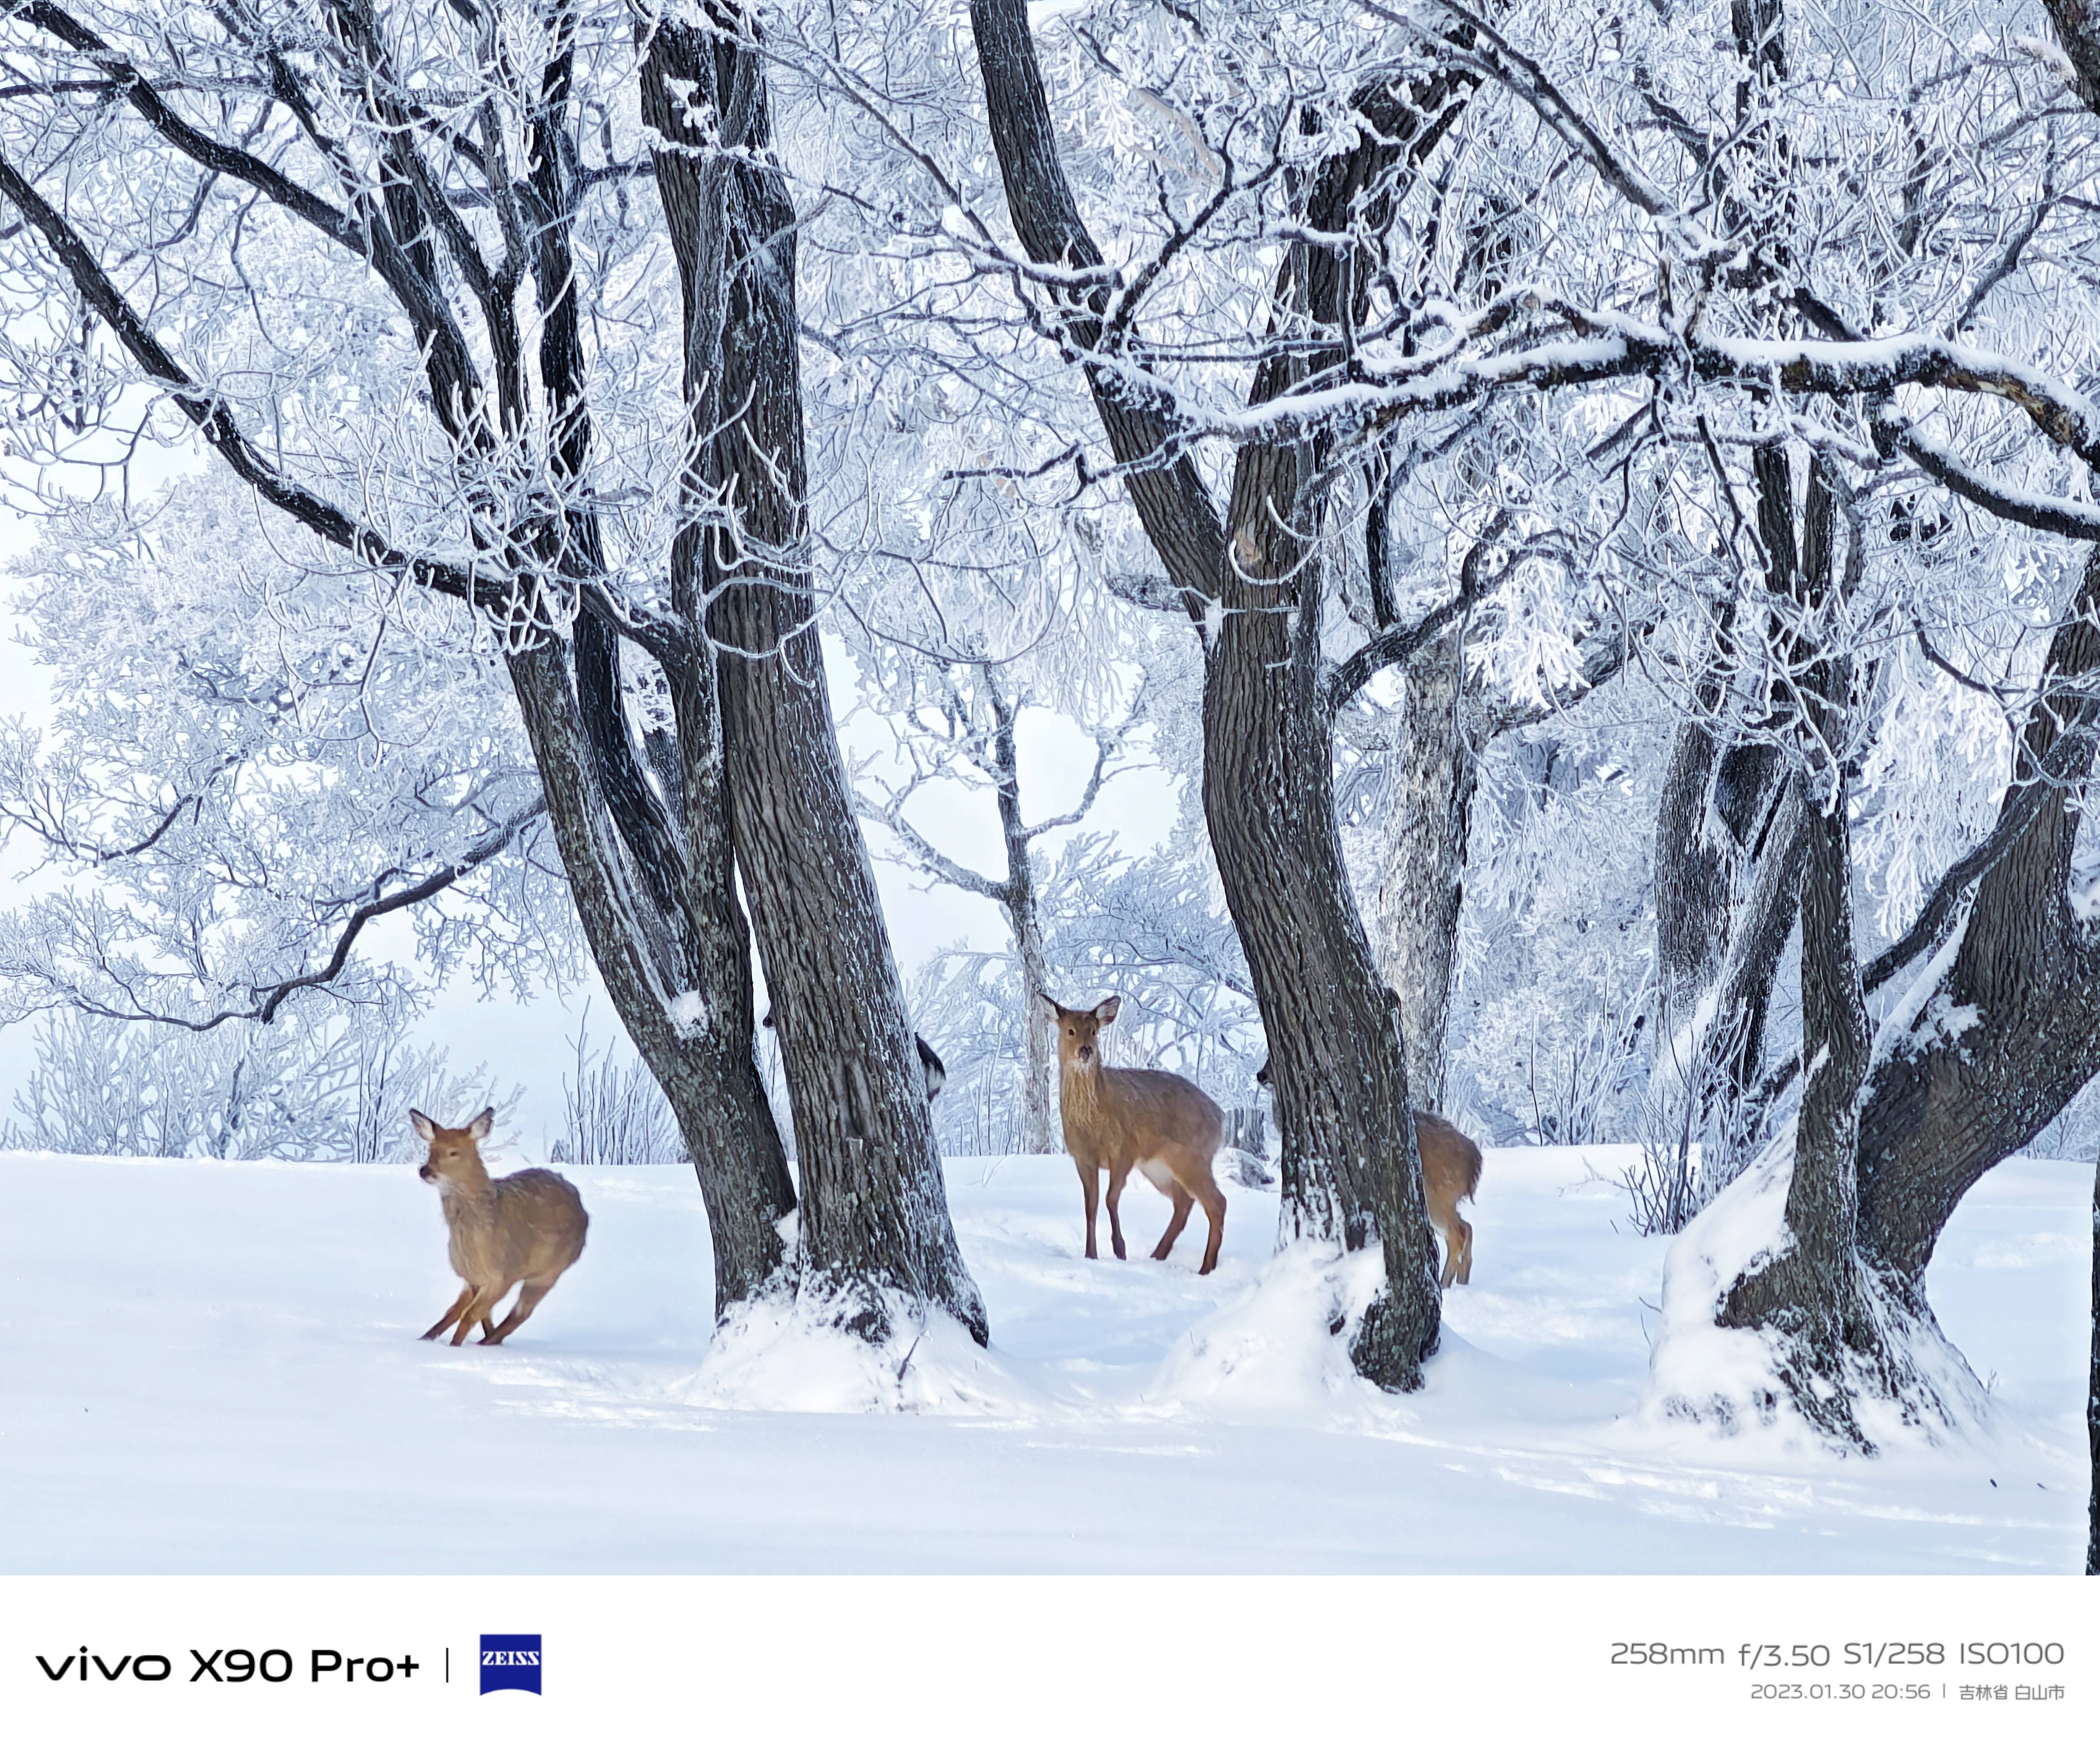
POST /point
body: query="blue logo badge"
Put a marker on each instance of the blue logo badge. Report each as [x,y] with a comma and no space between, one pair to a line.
[509,1660]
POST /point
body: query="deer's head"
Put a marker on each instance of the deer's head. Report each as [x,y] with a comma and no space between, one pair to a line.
[1078,1032]
[452,1154]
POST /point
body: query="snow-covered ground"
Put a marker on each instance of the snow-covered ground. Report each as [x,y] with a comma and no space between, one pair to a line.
[210,1367]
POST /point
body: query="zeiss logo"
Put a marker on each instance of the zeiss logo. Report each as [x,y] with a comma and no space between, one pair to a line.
[509,1660]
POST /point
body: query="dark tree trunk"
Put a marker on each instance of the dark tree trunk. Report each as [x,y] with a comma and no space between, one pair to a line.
[1812,1295]
[654,886]
[708,1072]
[1882,1156]
[875,1222]
[1691,878]
[1812,1298]
[1351,1170]
[1939,1114]
[1729,1056]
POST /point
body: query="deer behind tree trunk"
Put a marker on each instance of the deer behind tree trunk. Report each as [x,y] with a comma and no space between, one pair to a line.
[1450,1173]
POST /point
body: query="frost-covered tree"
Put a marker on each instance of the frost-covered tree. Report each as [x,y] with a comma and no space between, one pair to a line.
[1759,316]
[1553,982]
[253,757]
[1841,494]
[957,722]
[316,1083]
[499,301]
[612,1111]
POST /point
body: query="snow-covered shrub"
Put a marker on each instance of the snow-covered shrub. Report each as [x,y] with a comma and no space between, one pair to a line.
[968,1004]
[313,1086]
[613,1111]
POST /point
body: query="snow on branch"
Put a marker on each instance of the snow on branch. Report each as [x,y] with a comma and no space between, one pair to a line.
[209,413]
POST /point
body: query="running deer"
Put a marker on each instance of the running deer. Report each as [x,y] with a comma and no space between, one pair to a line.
[1121,1119]
[524,1230]
[1450,1173]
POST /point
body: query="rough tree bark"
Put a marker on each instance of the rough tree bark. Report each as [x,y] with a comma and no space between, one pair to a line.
[709,1076]
[1987,1056]
[875,1223]
[1884,1152]
[1421,874]
[1937,1116]
[1809,1295]
[1350,1170]
[1957,1101]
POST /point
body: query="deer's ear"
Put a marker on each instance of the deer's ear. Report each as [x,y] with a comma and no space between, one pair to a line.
[426,1130]
[1050,1009]
[478,1128]
[1107,1009]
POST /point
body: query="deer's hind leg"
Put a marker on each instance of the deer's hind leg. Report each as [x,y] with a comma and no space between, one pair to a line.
[529,1295]
[1183,1204]
[1458,1251]
[1212,1201]
[485,1299]
[452,1315]
[1117,1179]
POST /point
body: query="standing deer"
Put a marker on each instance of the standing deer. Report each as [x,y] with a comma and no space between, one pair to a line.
[1450,1173]
[1121,1119]
[525,1228]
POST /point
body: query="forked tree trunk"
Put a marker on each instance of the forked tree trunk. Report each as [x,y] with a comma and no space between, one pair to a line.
[1937,1115]
[1883,1154]
[703,1062]
[875,1222]
[1811,1297]
[1351,1168]
[653,886]
[1810,1293]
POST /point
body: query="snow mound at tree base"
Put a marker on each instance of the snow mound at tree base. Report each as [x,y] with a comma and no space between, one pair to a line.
[781,1354]
[1728,1383]
[1279,1352]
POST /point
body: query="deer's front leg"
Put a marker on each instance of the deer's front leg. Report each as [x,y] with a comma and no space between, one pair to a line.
[1090,1181]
